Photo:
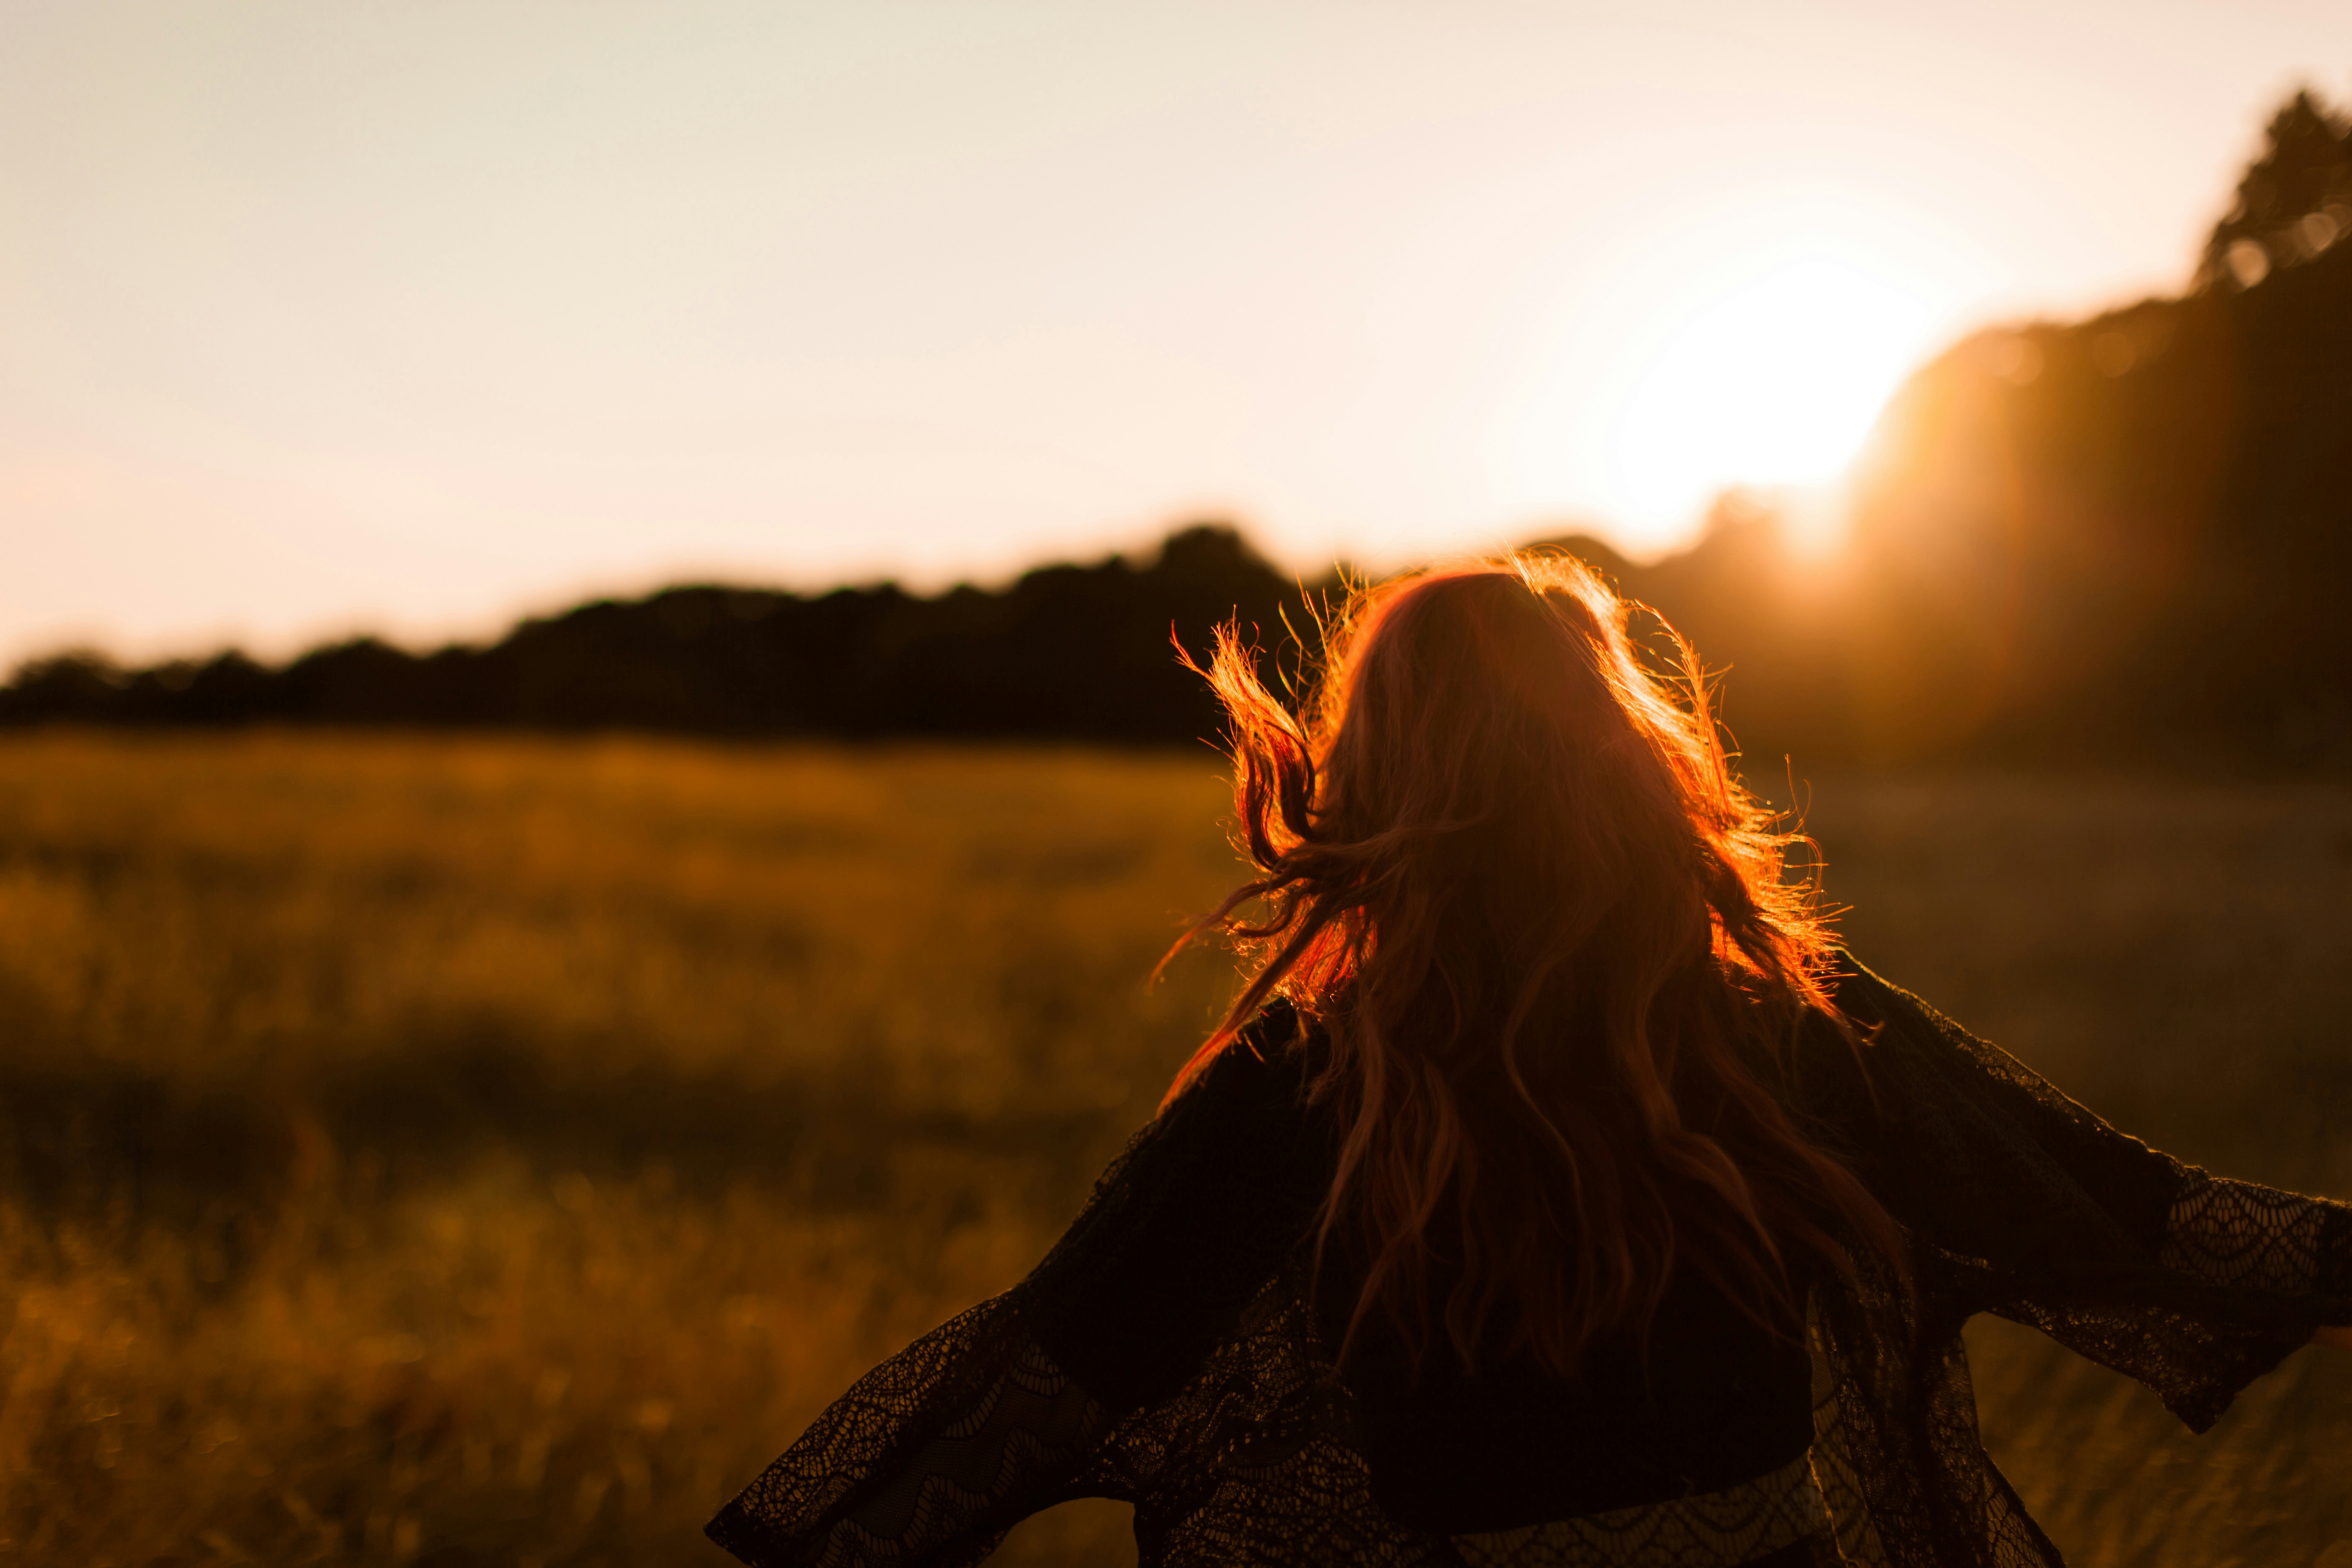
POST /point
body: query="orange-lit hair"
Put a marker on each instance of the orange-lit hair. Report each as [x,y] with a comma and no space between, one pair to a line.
[1507,869]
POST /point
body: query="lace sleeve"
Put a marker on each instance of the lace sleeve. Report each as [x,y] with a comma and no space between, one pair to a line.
[1010,1408]
[2239,1234]
[930,1458]
[2240,1278]
[2038,1211]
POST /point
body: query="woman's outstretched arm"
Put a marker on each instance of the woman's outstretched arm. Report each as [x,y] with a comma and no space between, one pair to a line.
[1015,1406]
[930,1458]
[2027,1205]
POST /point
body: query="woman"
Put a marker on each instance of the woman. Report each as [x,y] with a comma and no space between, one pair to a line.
[1556,1192]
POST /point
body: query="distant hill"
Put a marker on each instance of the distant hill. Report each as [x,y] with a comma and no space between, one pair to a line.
[2128,538]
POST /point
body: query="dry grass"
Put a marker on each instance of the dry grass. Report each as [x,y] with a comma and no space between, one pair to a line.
[491,1150]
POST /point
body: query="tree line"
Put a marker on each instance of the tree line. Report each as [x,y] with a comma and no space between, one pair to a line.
[2125,538]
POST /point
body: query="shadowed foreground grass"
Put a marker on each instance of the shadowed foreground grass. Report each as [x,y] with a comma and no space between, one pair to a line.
[455,1151]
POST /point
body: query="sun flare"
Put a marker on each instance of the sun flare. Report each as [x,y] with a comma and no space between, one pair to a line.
[1760,361]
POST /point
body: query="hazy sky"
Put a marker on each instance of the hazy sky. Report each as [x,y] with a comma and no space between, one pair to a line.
[321,316]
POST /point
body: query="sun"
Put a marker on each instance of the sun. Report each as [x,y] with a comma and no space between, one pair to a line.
[1775,383]
[1755,353]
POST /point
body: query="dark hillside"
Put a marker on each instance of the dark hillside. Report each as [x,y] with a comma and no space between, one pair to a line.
[1066,652]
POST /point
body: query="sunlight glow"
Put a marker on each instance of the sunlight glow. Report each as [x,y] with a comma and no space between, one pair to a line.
[1752,349]
[1775,382]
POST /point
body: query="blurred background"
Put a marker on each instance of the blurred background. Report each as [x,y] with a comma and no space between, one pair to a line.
[592,769]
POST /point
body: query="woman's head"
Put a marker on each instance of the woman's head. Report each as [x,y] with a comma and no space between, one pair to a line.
[1505,864]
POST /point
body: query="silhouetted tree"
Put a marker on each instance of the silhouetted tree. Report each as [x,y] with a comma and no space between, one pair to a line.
[2294,202]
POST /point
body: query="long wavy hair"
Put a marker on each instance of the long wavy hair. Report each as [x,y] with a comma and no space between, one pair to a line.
[1506,866]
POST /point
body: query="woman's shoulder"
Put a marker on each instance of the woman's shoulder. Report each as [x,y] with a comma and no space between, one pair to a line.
[1898,1028]
[1911,1070]
[1877,1019]
[1869,999]
[1873,1058]
[1272,1060]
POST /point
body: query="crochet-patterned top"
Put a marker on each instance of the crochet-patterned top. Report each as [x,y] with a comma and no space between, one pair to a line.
[1170,1353]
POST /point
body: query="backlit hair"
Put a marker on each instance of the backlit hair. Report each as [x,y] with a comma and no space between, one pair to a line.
[1506,866]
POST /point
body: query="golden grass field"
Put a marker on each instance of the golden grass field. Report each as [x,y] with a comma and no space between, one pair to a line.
[491,1150]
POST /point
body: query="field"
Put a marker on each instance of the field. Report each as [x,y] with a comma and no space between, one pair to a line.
[491,1151]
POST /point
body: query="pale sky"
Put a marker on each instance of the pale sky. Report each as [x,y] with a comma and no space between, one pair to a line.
[410,316]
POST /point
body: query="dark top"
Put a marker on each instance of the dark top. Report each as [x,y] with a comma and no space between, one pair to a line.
[1710,1399]
[1170,1351]
[1244,1162]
